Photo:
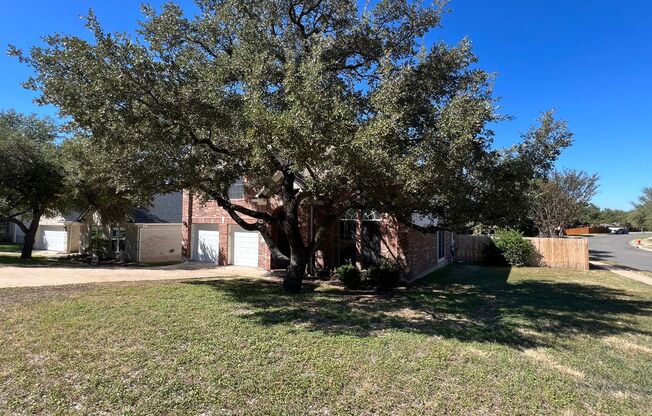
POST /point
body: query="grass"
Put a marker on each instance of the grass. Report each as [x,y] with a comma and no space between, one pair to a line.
[467,340]
[13,259]
[10,247]
[647,242]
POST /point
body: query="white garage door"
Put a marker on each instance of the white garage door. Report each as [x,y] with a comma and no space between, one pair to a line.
[245,248]
[52,238]
[206,243]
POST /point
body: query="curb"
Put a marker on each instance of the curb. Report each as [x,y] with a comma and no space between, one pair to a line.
[633,244]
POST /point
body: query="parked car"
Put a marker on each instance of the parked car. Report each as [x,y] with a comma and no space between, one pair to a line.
[618,230]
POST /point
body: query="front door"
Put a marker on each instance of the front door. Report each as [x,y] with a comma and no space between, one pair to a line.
[347,242]
[370,243]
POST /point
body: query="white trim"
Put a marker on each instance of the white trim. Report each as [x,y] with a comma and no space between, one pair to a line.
[140,241]
[441,259]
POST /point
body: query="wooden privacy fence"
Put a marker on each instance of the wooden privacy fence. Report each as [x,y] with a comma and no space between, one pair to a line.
[471,248]
[558,253]
[586,230]
[562,253]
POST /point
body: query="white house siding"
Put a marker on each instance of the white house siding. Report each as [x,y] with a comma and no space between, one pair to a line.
[16,234]
[74,237]
[159,242]
[131,241]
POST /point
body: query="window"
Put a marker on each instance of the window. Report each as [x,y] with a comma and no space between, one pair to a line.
[118,237]
[236,191]
[441,249]
[348,231]
[349,215]
[371,215]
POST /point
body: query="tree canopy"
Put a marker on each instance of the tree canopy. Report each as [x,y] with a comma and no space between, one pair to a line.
[346,99]
[558,199]
[32,177]
[641,215]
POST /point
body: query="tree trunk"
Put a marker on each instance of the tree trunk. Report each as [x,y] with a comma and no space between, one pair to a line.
[295,273]
[30,236]
[28,243]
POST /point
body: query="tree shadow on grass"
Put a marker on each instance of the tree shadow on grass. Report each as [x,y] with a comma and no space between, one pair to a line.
[468,303]
[601,254]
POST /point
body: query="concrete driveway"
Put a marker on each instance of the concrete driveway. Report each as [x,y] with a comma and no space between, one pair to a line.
[22,276]
[616,248]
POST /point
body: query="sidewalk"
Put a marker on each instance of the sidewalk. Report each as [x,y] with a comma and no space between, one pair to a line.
[630,274]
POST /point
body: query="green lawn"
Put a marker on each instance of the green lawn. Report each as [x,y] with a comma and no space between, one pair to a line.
[13,259]
[467,340]
[10,247]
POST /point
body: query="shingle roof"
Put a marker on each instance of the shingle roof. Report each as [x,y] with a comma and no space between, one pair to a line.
[165,208]
[71,216]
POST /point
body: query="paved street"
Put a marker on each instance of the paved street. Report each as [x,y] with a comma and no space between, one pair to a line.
[616,248]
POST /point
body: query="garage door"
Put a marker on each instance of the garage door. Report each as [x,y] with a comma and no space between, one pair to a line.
[205,244]
[245,248]
[51,238]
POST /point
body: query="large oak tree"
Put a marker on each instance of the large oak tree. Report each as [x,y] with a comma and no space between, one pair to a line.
[346,99]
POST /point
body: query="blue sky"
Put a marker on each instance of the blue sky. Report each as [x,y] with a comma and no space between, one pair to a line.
[589,59]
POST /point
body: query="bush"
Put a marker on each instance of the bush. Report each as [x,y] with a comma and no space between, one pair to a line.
[349,275]
[517,250]
[385,275]
[493,257]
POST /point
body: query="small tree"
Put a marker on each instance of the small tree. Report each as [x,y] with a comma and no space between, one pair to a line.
[93,188]
[560,198]
[32,176]
[641,215]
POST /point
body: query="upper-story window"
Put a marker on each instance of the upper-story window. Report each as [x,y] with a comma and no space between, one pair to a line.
[236,191]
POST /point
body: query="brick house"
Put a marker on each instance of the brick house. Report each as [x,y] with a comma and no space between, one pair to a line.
[360,238]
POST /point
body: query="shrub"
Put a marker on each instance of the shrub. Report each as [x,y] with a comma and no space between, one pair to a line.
[493,257]
[517,250]
[323,274]
[349,275]
[385,275]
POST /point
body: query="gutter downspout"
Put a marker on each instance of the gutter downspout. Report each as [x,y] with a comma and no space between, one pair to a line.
[312,225]
[139,241]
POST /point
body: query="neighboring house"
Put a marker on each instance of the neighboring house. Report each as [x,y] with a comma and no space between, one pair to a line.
[5,233]
[150,235]
[59,233]
[360,238]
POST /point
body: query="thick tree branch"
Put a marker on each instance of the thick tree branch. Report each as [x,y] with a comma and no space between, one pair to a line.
[18,214]
[259,225]
[228,205]
[19,223]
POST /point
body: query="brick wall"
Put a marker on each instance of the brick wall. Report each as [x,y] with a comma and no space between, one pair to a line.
[422,253]
[196,211]
[415,251]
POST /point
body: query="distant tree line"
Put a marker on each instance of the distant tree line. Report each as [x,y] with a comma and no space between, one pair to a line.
[639,218]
